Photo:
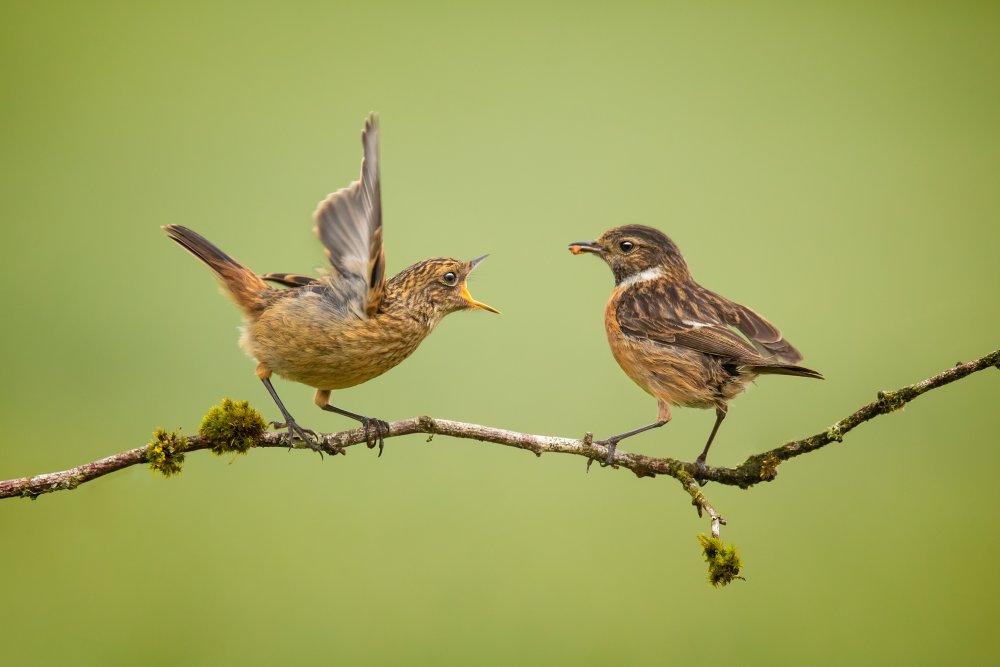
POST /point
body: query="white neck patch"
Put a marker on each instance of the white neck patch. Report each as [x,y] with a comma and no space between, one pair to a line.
[642,276]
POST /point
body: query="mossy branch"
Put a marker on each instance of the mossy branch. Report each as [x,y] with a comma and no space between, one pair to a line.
[235,427]
[754,470]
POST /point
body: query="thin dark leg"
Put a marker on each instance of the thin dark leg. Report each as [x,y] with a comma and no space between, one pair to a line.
[612,442]
[720,414]
[381,427]
[294,430]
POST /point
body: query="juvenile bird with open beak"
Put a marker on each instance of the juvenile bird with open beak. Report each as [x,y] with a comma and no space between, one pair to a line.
[350,324]
[675,338]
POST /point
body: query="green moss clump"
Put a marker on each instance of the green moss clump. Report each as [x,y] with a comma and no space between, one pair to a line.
[769,467]
[890,401]
[232,426]
[723,561]
[835,433]
[165,452]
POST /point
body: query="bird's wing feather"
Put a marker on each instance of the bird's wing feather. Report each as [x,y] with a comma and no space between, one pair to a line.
[649,315]
[290,279]
[764,335]
[349,224]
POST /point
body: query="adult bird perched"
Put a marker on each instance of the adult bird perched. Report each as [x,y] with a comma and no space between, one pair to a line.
[675,338]
[350,324]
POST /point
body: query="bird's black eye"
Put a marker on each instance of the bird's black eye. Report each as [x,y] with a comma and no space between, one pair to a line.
[626,246]
[449,278]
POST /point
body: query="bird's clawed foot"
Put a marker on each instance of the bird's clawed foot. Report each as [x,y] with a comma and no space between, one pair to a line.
[612,442]
[609,458]
[375,432]
[612,445]
[308,436]
[702,470]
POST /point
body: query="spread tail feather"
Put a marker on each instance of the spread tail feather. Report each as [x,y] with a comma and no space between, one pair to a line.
[241,284]
[788,369]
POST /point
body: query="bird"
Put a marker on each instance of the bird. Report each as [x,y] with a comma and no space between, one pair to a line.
[677,340]
[349,324]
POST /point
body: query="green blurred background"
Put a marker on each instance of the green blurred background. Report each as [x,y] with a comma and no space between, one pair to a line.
[833,167]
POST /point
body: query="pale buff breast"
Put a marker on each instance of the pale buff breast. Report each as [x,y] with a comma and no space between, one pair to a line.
[674,374]
[302,340]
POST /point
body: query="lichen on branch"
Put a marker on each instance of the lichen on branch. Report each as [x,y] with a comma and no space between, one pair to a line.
[236,427]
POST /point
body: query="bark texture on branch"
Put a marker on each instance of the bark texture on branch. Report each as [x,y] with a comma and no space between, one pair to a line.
[755,469]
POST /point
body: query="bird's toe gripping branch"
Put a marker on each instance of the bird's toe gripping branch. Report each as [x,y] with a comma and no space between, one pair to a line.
[294,432]
[376,431]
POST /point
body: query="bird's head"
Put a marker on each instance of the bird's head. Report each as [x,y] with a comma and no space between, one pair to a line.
[437,287]
[631,250]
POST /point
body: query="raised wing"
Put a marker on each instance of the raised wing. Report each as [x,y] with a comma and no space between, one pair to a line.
[349,224]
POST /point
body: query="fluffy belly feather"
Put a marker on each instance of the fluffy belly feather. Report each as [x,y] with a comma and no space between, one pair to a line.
[678,375]
[325,357]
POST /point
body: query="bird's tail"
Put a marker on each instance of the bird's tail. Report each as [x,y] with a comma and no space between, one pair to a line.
[241,284]
[787,369]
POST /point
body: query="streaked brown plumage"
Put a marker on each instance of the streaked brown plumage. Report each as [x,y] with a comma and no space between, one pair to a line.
[351,324]
[675,338]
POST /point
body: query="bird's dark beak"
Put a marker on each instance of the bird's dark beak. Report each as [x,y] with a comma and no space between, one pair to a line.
[581,247]
[465,289]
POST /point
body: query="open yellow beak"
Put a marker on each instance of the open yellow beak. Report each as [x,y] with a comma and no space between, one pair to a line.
[465,289]
[476,304]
